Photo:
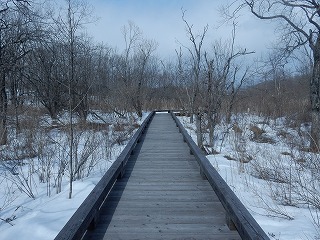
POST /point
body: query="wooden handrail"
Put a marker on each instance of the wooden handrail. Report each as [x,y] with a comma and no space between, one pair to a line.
[87,214]
[245,224]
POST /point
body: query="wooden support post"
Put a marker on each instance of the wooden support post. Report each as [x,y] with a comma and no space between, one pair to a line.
[203,175]
[94,221]
[230,223]
[122,171]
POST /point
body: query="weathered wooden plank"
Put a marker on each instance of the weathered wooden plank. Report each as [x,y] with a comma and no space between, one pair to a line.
[161,204]
[162,187]
[176,229]
[160,236]
[165,198]
[159,214]
[169,227]
[159,167]
[145,217]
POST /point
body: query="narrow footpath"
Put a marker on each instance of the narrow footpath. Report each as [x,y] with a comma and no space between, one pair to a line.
[162,194]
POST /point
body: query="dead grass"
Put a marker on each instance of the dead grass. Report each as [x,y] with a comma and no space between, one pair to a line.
[229,158]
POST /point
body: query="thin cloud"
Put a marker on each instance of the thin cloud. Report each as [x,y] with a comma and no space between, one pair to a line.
[161,20]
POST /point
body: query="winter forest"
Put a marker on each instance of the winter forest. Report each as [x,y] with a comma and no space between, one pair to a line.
[69,105]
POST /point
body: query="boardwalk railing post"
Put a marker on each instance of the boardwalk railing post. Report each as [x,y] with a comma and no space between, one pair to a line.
[122,171]
[94,221]
[230,223]
[202,173]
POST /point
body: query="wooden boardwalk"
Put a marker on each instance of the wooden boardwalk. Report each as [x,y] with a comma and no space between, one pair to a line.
[162,195]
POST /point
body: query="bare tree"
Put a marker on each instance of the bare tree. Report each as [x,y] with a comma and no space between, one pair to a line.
[141,60]
[69,27]
[299,24]
[83,80]
[224,76]
[133,66]
[124,67]
[45,76]
[196,60]
[274,70]
[231,74]
[16,32]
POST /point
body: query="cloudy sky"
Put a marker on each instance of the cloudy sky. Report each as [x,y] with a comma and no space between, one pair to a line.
[161,20]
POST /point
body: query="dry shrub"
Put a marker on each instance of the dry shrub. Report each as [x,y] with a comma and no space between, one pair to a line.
[229,158]
[22,143]
[257,132]
[93,126]
[291,100]
[282,133]
[121,127]
[236,129]
[183,114]
[259,137]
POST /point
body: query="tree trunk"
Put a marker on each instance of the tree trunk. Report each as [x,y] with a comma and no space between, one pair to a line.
[191,120]
[139,100]
[3,110]
[211,127]
[315,99]
[82,107]
[199,131]
[71,133]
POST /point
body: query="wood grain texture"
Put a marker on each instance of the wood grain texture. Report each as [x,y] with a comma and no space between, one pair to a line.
[162,194]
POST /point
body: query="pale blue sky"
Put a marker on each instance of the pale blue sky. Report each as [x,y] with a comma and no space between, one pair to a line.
[161,20]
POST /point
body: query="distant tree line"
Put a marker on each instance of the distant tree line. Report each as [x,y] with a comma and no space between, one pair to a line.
[46,59]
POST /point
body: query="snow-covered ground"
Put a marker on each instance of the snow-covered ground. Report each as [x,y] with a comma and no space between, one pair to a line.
[44,216]
[278,209]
